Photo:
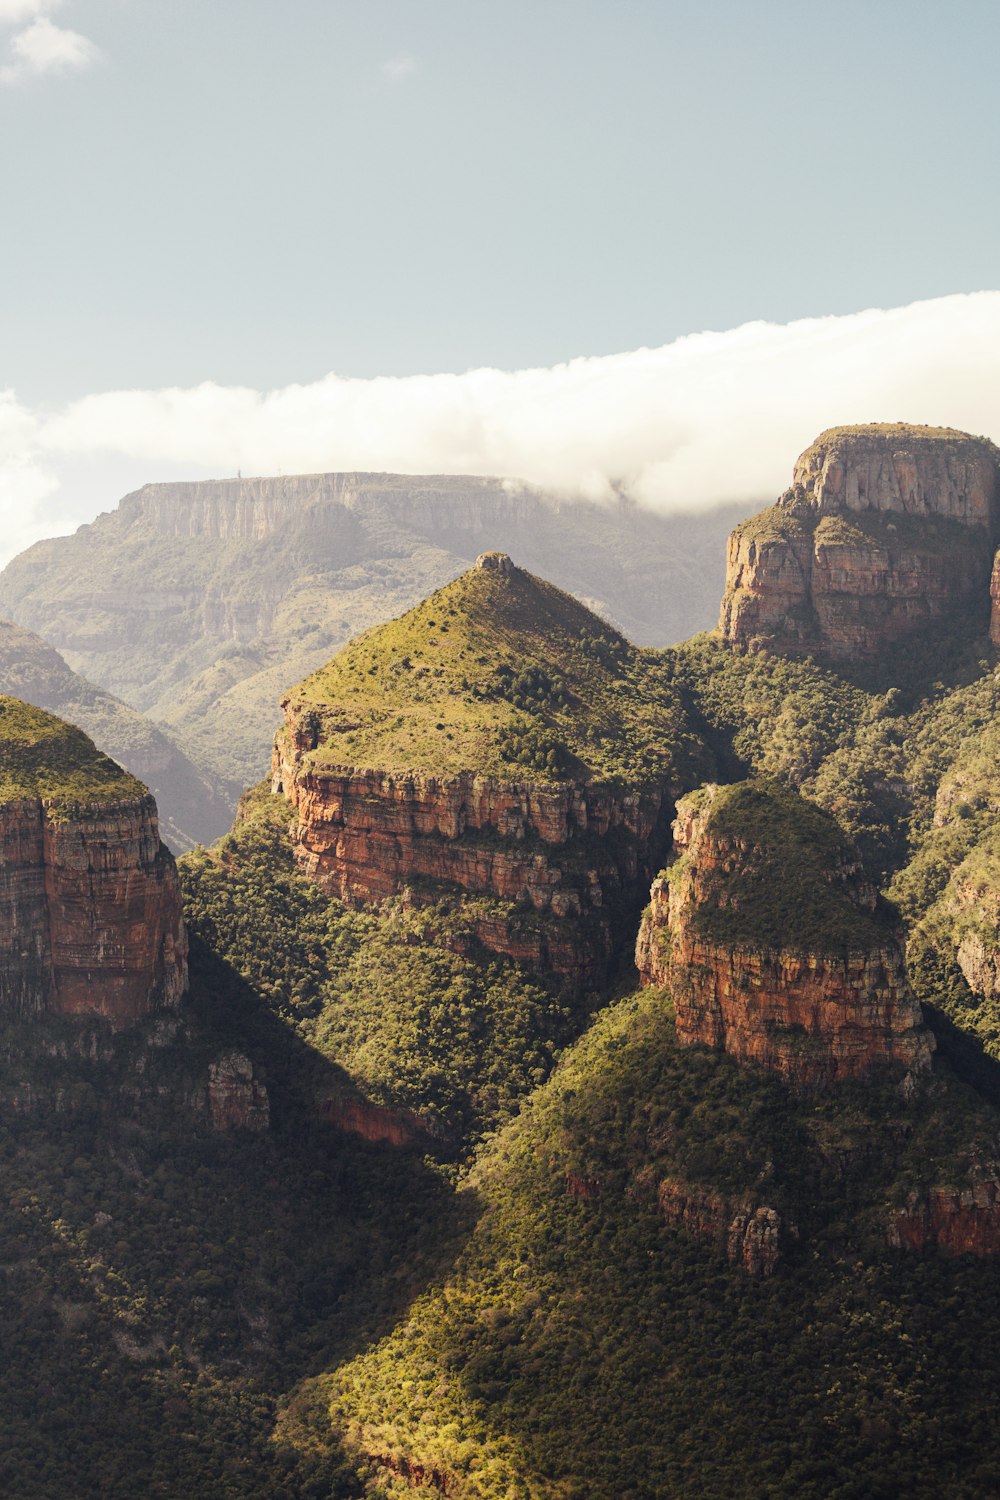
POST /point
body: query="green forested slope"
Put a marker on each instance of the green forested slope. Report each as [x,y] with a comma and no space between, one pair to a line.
[498,674]
[580,1347]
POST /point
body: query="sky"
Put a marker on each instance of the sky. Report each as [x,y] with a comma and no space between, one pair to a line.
[238,234]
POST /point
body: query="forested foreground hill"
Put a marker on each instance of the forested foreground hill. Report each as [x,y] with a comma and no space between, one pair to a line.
[593,1339]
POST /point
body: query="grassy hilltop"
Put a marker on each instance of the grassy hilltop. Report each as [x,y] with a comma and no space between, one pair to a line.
[42,756]
[503,675]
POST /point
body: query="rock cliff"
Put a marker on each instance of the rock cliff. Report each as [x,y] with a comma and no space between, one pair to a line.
[885,529]
[956,1220]
[775,947]
[90,913]
[748,1234]
[498,742]
[560,857]
[199,603]
[236,1098]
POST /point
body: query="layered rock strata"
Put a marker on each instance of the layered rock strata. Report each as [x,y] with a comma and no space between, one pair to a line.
[90,913]
[749,1235]
[563,856]
[90,907]
[955,1220]
[814,1015]
[885,529]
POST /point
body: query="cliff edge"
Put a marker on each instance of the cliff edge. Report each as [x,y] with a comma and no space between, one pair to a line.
[886,529]
[500,742]
[90,911]
[776,947]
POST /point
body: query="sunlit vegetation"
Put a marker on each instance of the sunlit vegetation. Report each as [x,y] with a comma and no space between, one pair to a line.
[581,1347]
[41,756]
[493,674]
[387,994]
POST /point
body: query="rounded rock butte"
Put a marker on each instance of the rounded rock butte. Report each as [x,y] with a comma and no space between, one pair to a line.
[495,562]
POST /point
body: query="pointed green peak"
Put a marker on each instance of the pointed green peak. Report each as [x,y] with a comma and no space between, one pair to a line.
[498,673]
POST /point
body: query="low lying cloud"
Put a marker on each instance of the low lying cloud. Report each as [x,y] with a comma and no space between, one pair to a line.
[708,419]
[41,47]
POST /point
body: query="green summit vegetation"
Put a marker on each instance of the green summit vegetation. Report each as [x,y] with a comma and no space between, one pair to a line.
[504,676]
[41,756]
[788,889]
[832,438]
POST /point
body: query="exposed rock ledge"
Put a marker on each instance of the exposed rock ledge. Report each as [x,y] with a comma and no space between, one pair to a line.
[748,1234]
[90,911]
[814,1017]
[560,855]
[884,530]
[955,1220]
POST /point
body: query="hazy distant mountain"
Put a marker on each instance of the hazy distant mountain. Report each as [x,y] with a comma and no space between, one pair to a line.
[200,602]
[193,807]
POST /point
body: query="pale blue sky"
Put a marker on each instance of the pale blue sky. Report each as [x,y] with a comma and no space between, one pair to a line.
[258,193]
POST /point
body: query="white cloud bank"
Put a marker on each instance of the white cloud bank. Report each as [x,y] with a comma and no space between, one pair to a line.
[710,418]
[41,47]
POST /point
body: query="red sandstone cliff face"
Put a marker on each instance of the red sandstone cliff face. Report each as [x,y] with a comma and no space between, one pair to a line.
[815,1018]
[748,1234]
[90,912]
[236,1099]
[374,1122]
[884,530]
[955,1220]
[559,854]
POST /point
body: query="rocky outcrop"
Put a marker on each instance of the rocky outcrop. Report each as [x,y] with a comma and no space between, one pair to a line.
[254,509]
[749,1235]
[236,1099]
[375,1122]
[416,1475]
[995,602]
[955,1220]
[90,911]
[902,470]
[884,530]
[560,857]
[816,1014]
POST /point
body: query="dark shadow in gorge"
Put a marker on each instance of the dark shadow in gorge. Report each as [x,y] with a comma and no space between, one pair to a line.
[166,1283]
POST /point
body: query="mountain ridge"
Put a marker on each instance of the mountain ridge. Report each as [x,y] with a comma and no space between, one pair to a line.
[204,632]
